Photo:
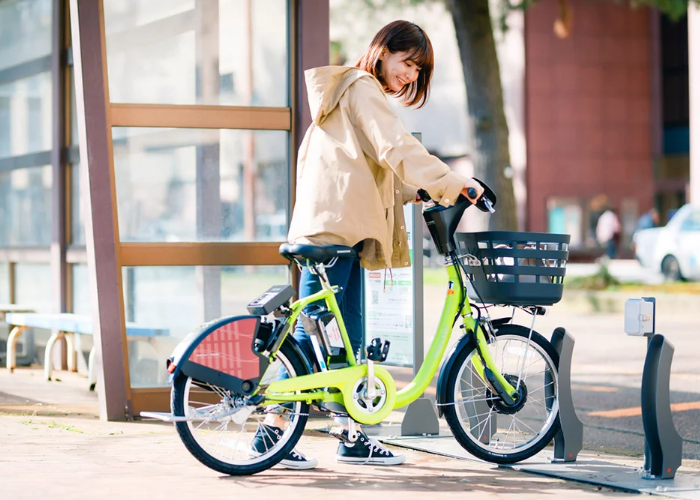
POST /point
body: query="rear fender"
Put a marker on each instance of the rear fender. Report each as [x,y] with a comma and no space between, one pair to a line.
[200,359]
[221,353]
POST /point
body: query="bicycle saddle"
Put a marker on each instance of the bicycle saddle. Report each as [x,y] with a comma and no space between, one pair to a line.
[315,253]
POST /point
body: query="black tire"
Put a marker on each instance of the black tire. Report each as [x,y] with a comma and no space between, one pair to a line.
[288,356]
[490,405]
[671,269]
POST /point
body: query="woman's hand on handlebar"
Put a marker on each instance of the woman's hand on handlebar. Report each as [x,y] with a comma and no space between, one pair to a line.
[472,190]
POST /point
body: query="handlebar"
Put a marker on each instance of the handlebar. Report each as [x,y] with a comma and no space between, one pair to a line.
[482,203]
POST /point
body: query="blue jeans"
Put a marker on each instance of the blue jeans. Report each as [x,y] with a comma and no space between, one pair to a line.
[346,274]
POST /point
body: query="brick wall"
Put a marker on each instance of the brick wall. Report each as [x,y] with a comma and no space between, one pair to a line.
[588,106]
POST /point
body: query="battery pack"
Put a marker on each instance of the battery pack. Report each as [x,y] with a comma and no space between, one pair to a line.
[323,325]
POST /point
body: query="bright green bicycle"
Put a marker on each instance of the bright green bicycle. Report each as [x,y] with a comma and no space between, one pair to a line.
[497,388]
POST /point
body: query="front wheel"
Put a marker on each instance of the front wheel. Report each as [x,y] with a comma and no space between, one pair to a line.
[481,422]
[232,438]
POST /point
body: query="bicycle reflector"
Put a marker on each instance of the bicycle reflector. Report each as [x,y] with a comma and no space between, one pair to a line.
[640,316]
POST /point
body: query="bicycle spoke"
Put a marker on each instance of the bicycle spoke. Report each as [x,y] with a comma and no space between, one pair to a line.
[511,432]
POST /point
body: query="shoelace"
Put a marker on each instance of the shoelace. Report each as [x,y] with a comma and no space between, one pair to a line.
[372,446]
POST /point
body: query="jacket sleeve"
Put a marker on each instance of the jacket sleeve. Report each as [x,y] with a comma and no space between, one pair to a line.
[408,193]
[396,148]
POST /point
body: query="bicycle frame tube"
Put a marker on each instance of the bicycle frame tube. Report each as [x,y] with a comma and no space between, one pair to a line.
[431,363]
[327,294]
[453,302]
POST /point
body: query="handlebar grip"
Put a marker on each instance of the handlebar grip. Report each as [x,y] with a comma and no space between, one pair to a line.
[424,195]
[471,192]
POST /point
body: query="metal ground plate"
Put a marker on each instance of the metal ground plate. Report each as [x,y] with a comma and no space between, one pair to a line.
[620,474]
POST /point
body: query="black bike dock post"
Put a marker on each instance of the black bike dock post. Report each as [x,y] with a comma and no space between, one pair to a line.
[663,446]
[568,442]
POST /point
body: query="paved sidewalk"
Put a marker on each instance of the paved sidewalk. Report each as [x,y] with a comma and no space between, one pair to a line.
[78,457]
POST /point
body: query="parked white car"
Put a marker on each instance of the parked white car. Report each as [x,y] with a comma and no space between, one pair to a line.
[673,249]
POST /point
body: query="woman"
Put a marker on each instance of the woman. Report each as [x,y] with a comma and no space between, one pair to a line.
[357,166]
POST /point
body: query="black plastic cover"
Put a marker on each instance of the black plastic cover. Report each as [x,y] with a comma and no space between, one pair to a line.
[273,298]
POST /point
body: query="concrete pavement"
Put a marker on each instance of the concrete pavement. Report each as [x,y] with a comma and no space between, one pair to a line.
[79,457]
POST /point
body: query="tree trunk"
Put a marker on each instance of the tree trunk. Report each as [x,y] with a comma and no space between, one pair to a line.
[487,120]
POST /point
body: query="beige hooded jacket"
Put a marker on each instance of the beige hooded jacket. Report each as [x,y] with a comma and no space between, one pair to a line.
[357,166]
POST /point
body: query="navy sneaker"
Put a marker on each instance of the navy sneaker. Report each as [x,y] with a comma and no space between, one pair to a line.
[265,438]
[366,451]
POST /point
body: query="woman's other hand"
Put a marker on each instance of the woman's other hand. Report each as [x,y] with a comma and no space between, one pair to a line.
[471,183]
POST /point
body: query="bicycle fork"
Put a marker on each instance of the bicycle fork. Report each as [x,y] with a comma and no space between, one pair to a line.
[485,366]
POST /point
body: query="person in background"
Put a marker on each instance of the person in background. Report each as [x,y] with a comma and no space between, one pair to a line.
[607,231]
[647,220]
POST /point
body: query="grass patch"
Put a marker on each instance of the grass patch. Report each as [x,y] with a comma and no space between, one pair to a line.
[55,425]
[601,280]
[51,425]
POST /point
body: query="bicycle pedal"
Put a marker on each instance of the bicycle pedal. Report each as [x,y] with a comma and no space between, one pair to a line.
[341,434]
[378,350]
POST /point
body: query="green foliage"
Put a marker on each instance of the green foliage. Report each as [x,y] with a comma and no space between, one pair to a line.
[601,280]
[674,9]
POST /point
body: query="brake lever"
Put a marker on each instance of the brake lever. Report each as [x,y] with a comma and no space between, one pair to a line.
[488,204]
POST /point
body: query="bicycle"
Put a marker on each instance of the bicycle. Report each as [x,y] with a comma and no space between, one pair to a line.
[497,389]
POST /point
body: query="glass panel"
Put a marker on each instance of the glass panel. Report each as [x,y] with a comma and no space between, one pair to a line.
[80,289]
[25,207]
[25,31]
[201,185]
[33,286]
[25,115]
[231,52]
[4,283]
[77,207]
[178,299]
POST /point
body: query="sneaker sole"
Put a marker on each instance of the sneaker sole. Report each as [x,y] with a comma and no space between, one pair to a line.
[294,465]
[371,461]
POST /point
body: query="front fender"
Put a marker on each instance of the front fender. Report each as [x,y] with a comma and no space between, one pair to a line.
[466,342]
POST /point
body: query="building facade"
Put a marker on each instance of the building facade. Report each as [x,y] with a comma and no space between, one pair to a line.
[607,117]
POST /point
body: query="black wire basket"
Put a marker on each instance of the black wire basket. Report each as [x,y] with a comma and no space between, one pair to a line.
[514,268]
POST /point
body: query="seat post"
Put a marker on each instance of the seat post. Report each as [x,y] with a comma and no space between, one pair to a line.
[323,277]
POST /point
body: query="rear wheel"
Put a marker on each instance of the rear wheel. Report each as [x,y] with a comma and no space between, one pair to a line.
[232,438]
[484,424]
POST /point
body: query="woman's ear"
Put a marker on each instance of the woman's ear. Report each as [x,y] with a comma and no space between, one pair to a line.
[382,54]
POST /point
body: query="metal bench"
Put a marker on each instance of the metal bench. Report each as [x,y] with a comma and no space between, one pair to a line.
[66,325]
[27,355]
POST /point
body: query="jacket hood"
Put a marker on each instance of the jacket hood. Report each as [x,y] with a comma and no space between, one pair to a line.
[326,86]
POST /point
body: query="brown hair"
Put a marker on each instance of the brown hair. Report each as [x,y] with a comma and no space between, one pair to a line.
[402,36]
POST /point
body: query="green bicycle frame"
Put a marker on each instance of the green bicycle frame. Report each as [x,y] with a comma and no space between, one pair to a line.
[289,389]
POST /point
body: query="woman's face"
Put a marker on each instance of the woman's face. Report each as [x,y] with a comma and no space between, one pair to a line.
[397,70]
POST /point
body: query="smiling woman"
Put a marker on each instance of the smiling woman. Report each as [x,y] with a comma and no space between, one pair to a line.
[400,56]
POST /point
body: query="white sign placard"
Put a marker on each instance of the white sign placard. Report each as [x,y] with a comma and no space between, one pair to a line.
[388,305]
